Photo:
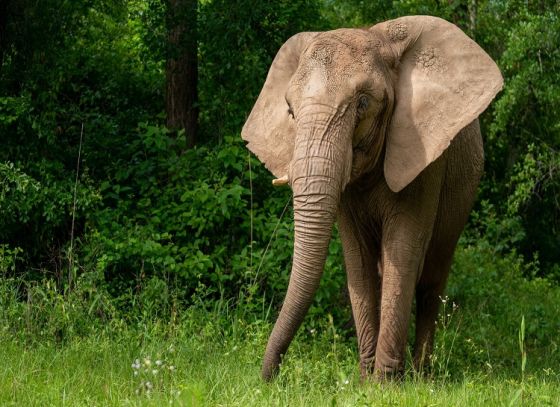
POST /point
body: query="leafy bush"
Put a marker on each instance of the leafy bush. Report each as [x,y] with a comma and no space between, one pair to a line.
[84,84]
[181,215]
[524,137]
[38,311]
[185,217]
[239,40]
[493,296]
[36,212]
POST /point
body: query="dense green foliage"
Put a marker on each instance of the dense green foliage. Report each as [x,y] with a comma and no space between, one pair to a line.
[147,211]
[107,220]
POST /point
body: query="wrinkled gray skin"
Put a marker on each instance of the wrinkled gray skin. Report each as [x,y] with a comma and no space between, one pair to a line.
[343,110]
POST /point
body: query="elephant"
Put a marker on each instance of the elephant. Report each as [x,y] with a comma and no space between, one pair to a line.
[376,129]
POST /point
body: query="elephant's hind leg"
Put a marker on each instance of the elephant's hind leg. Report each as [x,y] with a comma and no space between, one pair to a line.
[429,293]
[430,287]
[363,288]
[456,199]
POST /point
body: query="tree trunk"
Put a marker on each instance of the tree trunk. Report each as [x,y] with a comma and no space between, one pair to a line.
[3,24]
[182,68]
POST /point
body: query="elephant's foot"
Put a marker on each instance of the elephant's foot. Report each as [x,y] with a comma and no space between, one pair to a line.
[366,367]
[422,360]
[388,375]
[388,369]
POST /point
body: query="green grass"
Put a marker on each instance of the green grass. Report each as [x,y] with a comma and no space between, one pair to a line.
[217,366]
[54,352]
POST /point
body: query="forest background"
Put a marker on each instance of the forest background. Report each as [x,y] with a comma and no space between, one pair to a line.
[127,195]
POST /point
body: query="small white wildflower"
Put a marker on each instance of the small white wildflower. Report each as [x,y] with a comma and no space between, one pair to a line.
[346,381]
[149,385]
[147,362]
[159,362]
[154,372]
[172,368]
[136,373]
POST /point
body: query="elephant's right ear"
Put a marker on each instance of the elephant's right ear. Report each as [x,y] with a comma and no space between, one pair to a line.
[269,130]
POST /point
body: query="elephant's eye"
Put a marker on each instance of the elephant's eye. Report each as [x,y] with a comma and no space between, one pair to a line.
[363,103]
[290,111]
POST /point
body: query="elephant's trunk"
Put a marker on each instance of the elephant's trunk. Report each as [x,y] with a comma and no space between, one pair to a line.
[317,176]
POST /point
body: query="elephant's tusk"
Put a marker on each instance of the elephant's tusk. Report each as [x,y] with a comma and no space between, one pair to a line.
[280,181]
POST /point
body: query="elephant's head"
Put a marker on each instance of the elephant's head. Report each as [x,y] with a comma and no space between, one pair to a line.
[336,103]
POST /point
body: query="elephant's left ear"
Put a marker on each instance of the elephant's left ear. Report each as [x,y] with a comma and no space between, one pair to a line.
[445,80]
[269,129]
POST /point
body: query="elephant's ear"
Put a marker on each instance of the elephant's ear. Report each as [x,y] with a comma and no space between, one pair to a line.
[444,81]
[269,130]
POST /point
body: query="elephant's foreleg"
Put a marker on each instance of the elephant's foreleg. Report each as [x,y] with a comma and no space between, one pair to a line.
[406,233]
[401,262]
[363,288]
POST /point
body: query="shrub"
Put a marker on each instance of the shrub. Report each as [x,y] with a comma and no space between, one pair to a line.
[493,294]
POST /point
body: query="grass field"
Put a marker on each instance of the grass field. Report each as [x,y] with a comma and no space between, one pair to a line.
[499,346]
[197,363]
